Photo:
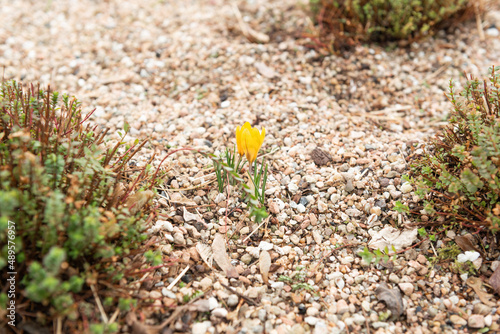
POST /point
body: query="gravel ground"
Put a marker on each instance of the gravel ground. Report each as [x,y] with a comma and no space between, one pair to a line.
[182,74]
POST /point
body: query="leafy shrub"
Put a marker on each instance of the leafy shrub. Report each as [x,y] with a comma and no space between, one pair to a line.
[459,175]
[344,23]
[65,202]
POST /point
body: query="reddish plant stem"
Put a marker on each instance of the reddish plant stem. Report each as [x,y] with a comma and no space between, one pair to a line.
[169,154]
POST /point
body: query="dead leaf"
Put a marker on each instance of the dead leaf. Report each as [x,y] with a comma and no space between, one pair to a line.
[495,280]
[119,190]
[477,284]
[265,70]
[320,157]
[464,242]
[391,237]
[137,327]
[221,258]
[265,265]
[392,299]
[206,253]
[137,201]
[188,216]
[252,35]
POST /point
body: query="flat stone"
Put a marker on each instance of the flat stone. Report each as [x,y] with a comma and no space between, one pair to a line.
[206,283]
[219,312]
[407,288]
[295,239]
[458,320]
[476,321]
[179,239]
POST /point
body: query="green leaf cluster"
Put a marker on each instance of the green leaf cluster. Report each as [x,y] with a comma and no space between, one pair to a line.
[352,21]
[65,193]
[458,177]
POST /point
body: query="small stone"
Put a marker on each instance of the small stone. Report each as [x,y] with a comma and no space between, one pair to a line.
[206,283]
[349,187]
[322,207]
[311,320]
[379,324]
[274,207]
[159,127]
[488,320]
[493,32]
[476,321]
[318,238]
[255,292]
[225,104]
[212,303]
[432,311]
[232,300]
[342,307]
[245,230]
[219,312]
[246,258]
[357,134]
[312,311]
[358,319]
[179,239]
[421,259]
[365,305]
[320,328]
[155,294]
[264,245]
[295,239]
[262,314]
[168,293]
[201,327]
[293,187]
[482,309]
[296,329]
[407,288]
[395,194]
[384,182]
[457,320]
[278,285]
[406,188]
[495,265]
[394,278]
[353,212]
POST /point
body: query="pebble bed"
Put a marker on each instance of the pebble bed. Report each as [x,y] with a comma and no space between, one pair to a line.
[182,74]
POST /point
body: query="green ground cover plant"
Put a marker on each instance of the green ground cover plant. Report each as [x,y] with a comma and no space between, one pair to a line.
[458,176]
[345,23]
[71,209]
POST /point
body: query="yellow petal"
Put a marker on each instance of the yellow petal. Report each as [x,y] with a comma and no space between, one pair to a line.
[239,144]
[238,141]
[246,126]
[253,144]
[245,135]
[262,136]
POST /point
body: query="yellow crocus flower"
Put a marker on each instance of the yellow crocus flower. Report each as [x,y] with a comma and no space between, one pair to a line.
[249,140]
